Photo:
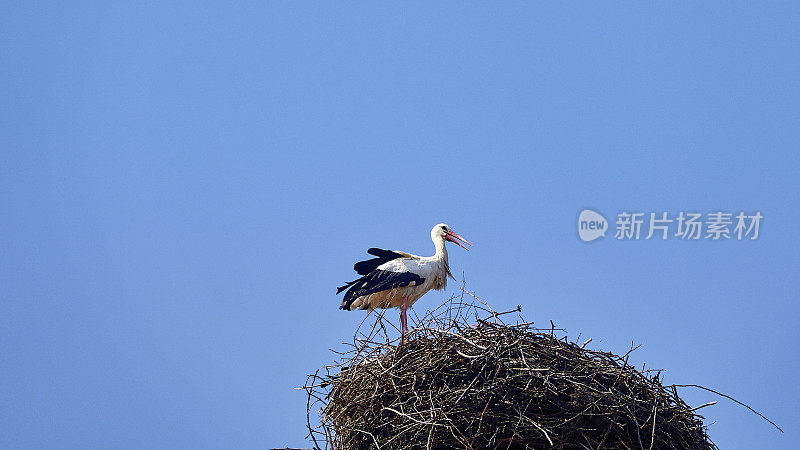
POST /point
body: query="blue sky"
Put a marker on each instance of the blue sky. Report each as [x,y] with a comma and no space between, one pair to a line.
[184,185]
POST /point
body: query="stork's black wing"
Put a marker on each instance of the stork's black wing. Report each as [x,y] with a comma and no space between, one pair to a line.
[367,266]
[374,280]
[377,281]
[383,256]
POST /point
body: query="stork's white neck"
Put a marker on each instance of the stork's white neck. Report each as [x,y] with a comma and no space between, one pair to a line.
[441,250]
[442,264]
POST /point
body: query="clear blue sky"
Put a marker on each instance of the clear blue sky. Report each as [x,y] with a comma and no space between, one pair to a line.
[184,185]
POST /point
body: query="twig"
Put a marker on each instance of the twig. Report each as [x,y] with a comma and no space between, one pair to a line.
[730,398]
[703,406]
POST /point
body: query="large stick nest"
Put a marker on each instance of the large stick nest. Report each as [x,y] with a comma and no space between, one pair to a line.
[462,381]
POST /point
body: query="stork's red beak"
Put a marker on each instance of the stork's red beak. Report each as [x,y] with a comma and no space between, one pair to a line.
[451,236]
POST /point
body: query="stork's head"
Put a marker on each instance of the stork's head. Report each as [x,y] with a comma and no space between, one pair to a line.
[444,233]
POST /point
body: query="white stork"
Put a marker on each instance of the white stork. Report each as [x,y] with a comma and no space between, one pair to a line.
[398,279]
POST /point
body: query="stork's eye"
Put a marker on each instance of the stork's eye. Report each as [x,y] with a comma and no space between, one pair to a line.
[444,227]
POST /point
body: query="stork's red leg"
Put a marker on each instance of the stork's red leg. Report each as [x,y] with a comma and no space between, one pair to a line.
[403,316]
